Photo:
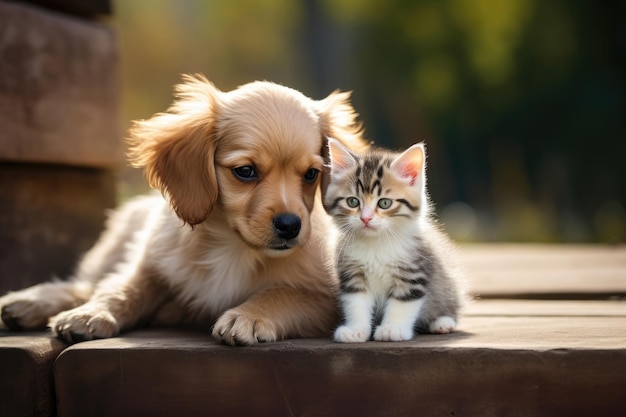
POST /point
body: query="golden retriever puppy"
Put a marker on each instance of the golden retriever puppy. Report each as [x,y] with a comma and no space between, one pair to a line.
[237,242]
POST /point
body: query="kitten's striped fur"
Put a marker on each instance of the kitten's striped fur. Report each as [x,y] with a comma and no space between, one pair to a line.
[396,268]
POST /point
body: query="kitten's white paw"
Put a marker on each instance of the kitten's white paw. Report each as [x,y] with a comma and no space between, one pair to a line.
[442,325]
[393,333]
[345,334]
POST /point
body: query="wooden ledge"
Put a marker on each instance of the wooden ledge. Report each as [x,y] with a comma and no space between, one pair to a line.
[510,357]
[59,100]
[26,380]
[530,271]
[540,358]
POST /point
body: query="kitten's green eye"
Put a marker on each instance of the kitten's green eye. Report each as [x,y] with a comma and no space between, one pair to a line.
[352,202]
[384,203]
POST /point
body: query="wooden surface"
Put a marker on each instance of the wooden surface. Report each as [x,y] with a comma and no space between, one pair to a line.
[26,376]
[59,89]
[82,8]
[545,271]
[50,215]
[494,366]
[511,356]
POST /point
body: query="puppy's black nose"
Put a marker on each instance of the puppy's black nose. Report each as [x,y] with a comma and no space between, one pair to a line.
[287,226]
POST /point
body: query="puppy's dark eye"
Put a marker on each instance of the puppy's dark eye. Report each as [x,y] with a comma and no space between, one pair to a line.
[246,173]
[311,175]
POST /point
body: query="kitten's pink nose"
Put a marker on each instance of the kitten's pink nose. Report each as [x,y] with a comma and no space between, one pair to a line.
[367,214]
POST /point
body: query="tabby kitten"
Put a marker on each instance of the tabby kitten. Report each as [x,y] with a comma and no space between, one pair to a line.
[395,266]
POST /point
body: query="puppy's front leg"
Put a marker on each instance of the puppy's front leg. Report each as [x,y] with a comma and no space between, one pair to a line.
[120,301]
[278,313]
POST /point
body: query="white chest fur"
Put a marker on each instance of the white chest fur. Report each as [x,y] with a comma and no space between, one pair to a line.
[379,257]
[209,271]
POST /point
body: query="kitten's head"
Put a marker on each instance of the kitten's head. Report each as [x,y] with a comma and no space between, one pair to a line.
[378,191]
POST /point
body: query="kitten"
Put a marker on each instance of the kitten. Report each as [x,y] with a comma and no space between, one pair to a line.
[395,266]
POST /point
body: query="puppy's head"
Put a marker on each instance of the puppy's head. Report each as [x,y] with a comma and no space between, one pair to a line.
[257,152]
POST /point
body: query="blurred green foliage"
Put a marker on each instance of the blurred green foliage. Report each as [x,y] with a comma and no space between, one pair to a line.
[521,102]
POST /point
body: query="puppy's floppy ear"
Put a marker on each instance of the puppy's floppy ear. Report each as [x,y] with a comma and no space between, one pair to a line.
[337,119]
[177,148]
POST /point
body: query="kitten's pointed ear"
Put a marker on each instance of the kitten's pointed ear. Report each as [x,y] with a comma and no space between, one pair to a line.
[341,160]
[411,163]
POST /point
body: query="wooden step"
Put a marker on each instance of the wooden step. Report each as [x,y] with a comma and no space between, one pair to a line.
[531,271]
[26,375]
[511,356]
[539,358]
[60,137]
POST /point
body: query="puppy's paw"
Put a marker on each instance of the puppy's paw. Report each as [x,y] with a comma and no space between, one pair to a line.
[237,328]
[345,334]
[84,323]
[443,325]
[393,333]
[21,312]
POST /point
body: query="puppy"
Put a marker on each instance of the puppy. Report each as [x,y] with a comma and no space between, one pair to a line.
[236,241]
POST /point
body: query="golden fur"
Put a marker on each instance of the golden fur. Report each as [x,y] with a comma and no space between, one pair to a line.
[209,252]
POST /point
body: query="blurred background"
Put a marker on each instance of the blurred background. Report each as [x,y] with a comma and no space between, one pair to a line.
[522,103]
